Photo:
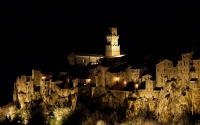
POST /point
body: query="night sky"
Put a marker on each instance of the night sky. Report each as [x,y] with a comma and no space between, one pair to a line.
[41,34]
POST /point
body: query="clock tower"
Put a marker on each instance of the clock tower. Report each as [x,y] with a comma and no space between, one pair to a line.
[112,46]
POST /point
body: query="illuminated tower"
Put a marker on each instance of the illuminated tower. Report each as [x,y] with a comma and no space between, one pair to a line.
[112,47]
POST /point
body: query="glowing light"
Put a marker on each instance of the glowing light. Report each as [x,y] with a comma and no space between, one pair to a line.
[117,79]
[136,86]
[43,77]
[88,80]
[84,84]
[119,56]
[125,82]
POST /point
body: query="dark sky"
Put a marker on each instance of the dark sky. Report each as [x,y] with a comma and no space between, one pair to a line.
[41,34]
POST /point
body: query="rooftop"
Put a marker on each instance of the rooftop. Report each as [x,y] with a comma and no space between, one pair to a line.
[86,54]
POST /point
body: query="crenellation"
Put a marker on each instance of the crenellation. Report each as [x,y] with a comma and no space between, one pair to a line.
[112,47]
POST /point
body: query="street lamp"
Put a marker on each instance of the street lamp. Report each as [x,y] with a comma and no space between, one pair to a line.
[43,77]
[125,83]
[136,87]
[117,79]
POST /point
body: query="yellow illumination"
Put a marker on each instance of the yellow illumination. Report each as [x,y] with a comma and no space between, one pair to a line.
[88,80]
[117,78]
[136,86]
[119,56]
[125,82]
[43,77]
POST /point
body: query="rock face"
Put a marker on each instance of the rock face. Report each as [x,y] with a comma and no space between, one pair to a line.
[177,99]
[176,103]
[110,98]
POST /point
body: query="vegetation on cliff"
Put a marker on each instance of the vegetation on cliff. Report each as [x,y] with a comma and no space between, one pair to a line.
[178,103]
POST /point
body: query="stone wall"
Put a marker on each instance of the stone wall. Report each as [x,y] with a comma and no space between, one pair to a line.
[112,51]
[84,94]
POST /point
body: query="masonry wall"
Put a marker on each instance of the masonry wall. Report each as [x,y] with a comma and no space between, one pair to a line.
[148,94]
[112,51]
[37,77]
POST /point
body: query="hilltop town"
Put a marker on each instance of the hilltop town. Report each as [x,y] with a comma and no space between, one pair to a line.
[117,81]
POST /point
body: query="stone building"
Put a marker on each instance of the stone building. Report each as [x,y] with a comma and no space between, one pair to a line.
[112,46]
[112,73]
[112,49]
[41,86]
[187,69]
[162,71]
[84,59]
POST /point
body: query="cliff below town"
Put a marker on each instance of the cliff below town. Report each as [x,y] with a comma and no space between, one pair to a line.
[178,103]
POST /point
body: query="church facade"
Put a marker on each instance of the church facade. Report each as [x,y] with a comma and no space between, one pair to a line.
[112,49]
